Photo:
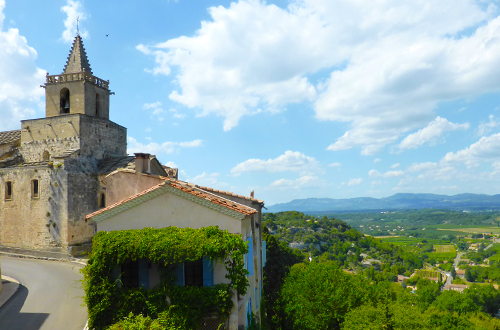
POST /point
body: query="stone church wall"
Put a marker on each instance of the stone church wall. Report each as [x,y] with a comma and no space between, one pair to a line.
[45,138]
[101,136]
[82,200]
[42,139]
[56,218]
[6,149]
[27,221]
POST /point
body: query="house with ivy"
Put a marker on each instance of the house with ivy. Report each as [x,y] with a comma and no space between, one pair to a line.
[181,209]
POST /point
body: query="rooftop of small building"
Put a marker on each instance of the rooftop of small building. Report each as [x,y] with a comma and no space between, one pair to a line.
[110,164]
[185,187]
[215,191]
[10,136]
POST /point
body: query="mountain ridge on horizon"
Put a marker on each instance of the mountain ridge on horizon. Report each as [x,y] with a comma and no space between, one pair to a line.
[399,201]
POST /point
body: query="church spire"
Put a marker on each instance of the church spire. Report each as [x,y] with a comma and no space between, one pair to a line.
[77,59]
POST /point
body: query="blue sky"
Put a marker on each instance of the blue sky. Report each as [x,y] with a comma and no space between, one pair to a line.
[292,99]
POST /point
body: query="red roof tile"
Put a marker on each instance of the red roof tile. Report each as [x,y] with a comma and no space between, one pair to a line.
[186,187]
[230,194]
[198,191]
[88,216]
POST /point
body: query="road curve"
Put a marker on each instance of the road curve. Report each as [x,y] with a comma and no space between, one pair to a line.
[50,296]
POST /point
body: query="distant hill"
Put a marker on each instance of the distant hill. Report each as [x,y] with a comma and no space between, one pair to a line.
[394,202]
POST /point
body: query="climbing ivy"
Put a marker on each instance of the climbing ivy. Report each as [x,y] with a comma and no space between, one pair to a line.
[107,303]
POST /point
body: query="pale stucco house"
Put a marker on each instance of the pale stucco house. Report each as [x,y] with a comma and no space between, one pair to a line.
[176,203]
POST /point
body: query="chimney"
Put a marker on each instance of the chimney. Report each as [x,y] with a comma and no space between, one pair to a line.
[252,194]
[142,163]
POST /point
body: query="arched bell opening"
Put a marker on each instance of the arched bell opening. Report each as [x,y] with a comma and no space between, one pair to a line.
[65,106]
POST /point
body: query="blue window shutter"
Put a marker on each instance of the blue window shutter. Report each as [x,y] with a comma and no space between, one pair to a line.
[116,276]
[143,273]
[179,274]
[249,311]
[264,253]
[245,260]
[250,256]
[256,300]
[208,272]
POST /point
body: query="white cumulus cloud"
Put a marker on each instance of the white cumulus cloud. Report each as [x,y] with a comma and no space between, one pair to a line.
[419,167]
[20,78]
[209,180]
[156,110]
[485,128]
[290,161]
[393,174]
[374,174]
[355,182]
[430,133]
[171,164]
[486,149]
[306,181]
[156,148]
[388,63]
[74,11]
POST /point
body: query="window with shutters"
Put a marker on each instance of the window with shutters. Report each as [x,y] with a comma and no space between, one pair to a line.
[133,274]
[195,273]
[249,257]
[130,274]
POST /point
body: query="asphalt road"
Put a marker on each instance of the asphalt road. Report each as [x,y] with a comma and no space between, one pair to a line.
[50,296]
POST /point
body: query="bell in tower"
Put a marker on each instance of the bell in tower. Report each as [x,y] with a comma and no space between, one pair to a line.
[76,90]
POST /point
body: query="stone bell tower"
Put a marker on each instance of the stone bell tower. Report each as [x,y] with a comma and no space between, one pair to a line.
[77,90]
[49,168]
[76,119]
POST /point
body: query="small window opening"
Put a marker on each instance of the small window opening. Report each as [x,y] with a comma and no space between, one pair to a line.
[8,190]
[34,189]
[130,274]
[97,105]
[193,273]
[65,106]
[102,200]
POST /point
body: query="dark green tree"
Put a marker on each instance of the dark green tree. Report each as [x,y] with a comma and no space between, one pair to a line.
[486,297]
[427,292]
[455,302]
[468,275]
[317,296]
[279,260]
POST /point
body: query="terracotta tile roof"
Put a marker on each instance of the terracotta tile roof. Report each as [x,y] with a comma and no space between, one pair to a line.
[186,187]
[88,216]
[131,171]
[197,191]
[456,286]
[230,194]
[10,136]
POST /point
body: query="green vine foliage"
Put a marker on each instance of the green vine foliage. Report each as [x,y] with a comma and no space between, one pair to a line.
[185,306]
